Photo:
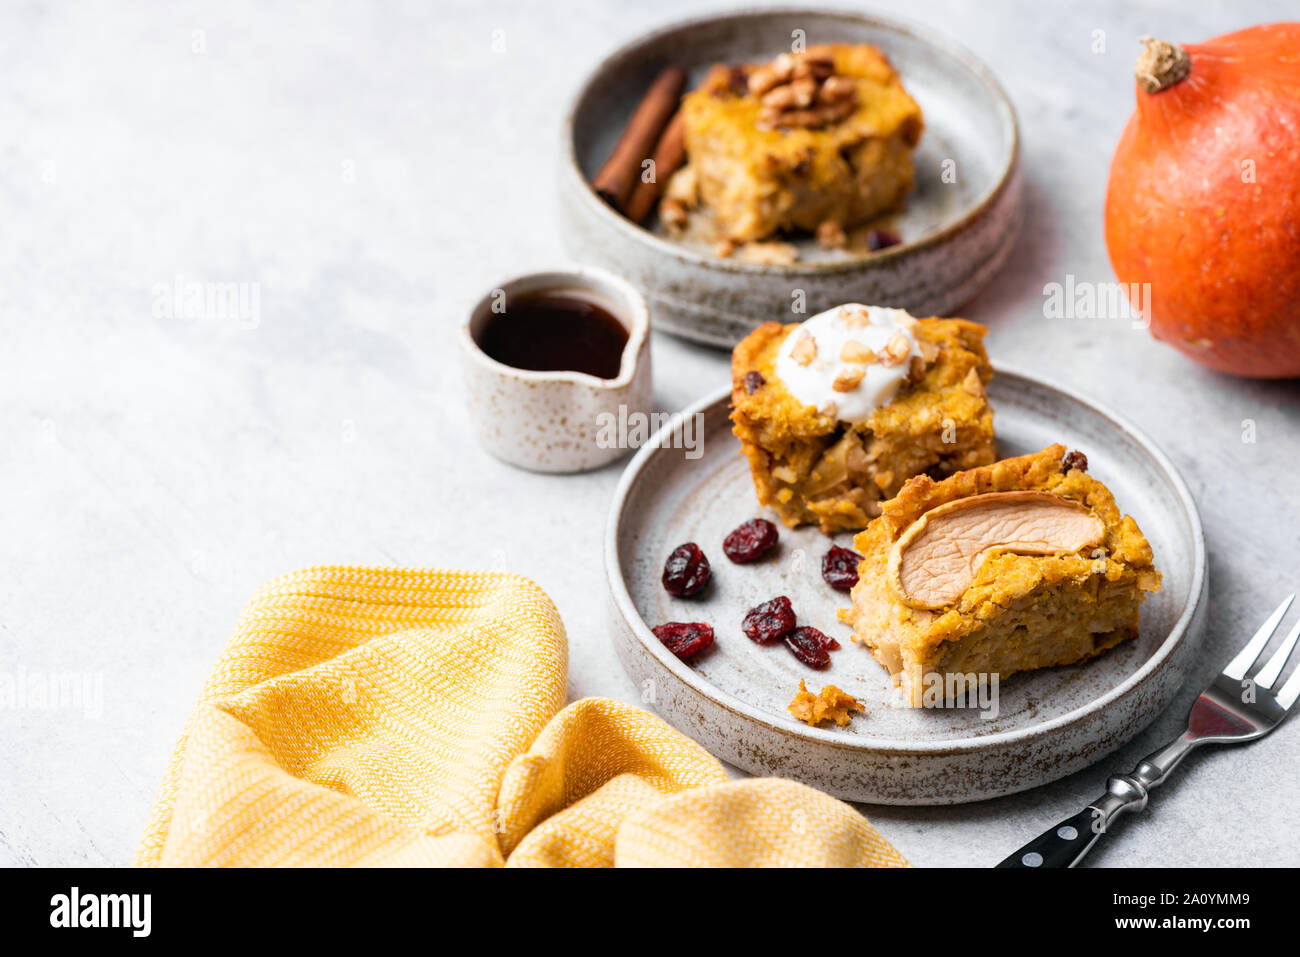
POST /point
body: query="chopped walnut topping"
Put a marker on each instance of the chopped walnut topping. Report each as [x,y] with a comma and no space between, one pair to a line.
[829,704]
[811,118]
[895,351]
[884,479]
[831,235]
[929,350]
[791,66]
[854,351]
[847,379]
[795,95]
[804,350]
[799,89]
[830,410]
[856,317]
[764,78]
[915,369]
[836,88]
[972,383]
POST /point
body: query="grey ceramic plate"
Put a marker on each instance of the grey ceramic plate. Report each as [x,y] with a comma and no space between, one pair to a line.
[956,233]
[733,699]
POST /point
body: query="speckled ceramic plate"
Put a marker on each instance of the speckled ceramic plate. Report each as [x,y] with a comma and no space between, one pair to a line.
[733,699]
[958,226]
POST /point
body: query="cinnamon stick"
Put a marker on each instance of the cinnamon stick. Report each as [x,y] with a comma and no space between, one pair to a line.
[668,157]
[616,179]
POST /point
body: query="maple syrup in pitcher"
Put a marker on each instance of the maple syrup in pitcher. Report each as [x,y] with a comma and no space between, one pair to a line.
[556,330]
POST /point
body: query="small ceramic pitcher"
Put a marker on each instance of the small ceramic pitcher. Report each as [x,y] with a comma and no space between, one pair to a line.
[558,421]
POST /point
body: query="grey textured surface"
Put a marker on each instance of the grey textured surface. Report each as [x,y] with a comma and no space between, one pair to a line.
[373,170]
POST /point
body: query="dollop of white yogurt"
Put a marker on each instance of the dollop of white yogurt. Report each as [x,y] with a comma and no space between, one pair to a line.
[810,376]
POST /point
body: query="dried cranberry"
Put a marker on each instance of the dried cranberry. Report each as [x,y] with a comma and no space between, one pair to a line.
[1074,460]
[750,541]
[753,382]
[769,621]
[685,639]
[840,567]
[686,572]
[829,643]
[810,646]
[878,239]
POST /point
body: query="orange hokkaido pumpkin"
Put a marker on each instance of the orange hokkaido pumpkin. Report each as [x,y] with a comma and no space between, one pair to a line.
[1204,199]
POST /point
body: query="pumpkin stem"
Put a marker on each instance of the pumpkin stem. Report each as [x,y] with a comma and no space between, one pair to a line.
[1160,65]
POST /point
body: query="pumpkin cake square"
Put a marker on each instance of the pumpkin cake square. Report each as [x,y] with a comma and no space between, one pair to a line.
[834,414]
[822,138]
[1026,563]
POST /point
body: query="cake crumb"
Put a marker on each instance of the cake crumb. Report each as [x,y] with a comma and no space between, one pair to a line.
[829,704]
[830,235]
[769,253]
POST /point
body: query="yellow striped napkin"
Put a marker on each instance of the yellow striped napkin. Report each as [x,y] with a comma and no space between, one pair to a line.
[368,716]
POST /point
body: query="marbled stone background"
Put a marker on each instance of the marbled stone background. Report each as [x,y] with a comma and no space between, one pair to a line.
[367,169]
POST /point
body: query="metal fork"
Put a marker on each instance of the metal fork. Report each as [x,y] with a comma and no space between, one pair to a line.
[1234,709]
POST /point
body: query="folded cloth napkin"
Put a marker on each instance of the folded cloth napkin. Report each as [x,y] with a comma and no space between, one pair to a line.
[375,716]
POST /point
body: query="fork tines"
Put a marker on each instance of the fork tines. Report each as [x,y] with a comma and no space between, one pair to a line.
[1267,676]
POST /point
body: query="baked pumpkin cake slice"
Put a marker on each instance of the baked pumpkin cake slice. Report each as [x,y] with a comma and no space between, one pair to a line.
[812,139]
[834,414]
[1022,564]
